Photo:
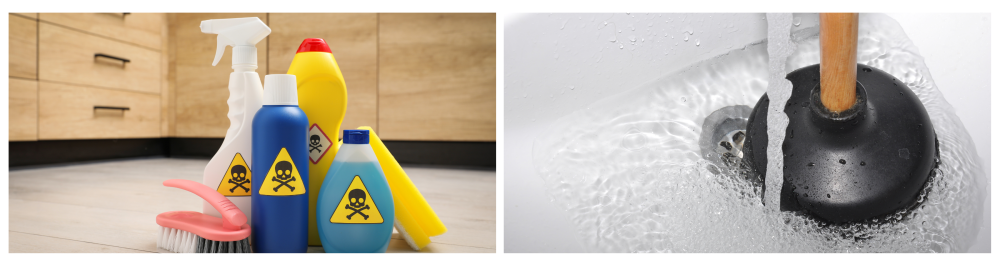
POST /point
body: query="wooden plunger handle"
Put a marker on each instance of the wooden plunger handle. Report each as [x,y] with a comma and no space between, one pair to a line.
[838,37]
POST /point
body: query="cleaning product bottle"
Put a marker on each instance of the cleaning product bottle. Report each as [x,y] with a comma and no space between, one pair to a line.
[279,151]
[323,97]
[355,210]
[229,170]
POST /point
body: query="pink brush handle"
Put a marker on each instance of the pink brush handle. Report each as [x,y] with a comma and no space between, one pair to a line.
[232,217]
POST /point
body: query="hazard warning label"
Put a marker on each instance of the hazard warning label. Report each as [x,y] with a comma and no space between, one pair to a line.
[283,178]
[318,143]
[357,206]
[236,182]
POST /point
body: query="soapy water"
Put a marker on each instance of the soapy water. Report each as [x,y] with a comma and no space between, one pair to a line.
[628,170]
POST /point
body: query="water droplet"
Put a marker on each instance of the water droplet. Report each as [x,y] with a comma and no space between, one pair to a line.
[621,46]
[863,163]
[697,42]
[843,162]
[827,195]
[572,87]
[684,99]
[797,21]
[631,38]
[866,69]
[806,187]
[811,164]
[524,96]
[685,38]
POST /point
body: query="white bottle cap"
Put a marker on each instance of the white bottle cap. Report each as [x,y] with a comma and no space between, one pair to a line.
[280,90]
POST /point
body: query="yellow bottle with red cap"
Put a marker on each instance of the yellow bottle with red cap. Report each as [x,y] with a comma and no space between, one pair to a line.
[323,97]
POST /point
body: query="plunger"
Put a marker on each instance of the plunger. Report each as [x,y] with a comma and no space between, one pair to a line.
[859,143]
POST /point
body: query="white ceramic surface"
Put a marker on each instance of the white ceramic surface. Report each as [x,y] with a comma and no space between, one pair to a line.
[573,56]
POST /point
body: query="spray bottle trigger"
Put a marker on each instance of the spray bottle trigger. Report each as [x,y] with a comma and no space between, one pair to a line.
[221,48]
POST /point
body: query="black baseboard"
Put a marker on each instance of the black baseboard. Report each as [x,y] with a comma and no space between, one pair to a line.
[474,154]
[194,147]
[69,151]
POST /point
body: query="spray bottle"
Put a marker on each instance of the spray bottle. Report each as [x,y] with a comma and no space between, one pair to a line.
[229,170]
[323,97]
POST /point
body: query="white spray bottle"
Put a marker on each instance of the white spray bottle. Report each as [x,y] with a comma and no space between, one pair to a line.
[229,170]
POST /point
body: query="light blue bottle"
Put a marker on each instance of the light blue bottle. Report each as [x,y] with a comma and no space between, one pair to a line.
[355,210]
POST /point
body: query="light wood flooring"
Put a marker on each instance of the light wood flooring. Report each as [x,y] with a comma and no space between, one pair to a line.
[112,206]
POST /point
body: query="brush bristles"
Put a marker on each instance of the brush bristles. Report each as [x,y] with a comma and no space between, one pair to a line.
[180,241]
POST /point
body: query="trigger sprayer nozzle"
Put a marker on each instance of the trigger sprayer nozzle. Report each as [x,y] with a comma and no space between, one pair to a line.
[237,32]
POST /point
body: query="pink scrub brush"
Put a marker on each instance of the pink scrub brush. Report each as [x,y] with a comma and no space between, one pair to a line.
[194,232]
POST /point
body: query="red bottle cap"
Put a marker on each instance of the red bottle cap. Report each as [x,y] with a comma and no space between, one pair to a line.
[314,45]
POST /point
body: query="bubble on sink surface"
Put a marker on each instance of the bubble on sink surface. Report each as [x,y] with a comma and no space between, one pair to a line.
[663,197]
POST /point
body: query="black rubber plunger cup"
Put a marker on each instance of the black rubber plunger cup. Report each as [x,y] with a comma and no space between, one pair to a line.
[858,164]
[864,163]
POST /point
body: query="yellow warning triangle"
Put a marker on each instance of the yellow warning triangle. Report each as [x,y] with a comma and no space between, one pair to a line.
[283,177]
[236,182]
[357,206]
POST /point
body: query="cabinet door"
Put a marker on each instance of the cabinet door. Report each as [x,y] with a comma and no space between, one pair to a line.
[73,57]
[23,49]
[352,39]
[23,110]
[142,29]
[437,77]
[202,89]
[78,112]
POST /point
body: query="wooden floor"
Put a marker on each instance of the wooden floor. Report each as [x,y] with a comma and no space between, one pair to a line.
[112,206]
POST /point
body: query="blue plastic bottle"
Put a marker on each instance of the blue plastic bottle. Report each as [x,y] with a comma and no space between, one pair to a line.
[279,199]
[355,210]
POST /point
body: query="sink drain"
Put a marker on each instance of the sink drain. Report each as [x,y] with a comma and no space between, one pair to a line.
[722,136]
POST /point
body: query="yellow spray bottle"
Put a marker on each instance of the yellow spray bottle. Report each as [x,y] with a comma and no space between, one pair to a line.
[323,97]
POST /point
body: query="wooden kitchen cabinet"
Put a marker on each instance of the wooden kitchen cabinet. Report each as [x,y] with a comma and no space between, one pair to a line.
[412,77]
[142,29]
[77,112]
[437,77]
[23,119]
[73,57]
[23,50]
[352,39]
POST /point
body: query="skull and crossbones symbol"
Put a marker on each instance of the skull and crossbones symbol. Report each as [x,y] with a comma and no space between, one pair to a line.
[357,200]
[314,143]
[239,173]
[284,175]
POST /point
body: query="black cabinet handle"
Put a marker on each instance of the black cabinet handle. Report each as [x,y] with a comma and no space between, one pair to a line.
[110,107]
[111,57]
[126,14]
